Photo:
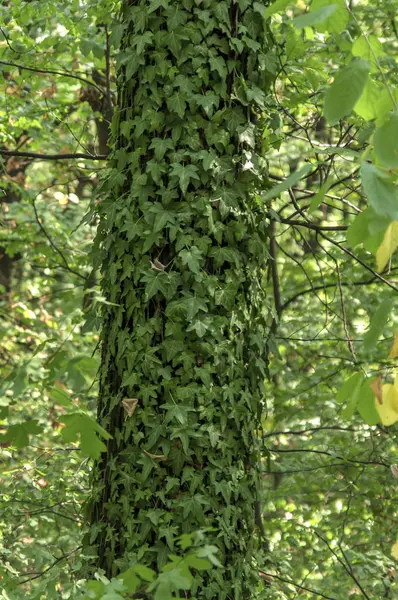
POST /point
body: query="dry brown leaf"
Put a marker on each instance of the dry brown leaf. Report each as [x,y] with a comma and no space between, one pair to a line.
[129,405]
[394,471]
[158,456]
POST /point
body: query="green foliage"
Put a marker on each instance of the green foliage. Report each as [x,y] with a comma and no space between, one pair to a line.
[182,244]
[346,90]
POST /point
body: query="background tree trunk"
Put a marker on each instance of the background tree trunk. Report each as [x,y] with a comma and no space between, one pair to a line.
[182,242]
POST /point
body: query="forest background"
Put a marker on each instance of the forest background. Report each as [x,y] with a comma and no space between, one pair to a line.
[330,148]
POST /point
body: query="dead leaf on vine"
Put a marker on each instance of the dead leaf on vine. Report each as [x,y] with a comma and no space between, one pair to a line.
[129,405]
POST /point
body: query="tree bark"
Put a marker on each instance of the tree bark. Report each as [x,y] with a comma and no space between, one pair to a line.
[182,244]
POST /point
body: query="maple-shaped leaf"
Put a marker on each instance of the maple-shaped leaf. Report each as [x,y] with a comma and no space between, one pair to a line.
[184,173]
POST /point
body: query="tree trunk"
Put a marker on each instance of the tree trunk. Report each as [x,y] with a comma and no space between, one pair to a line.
[182,242]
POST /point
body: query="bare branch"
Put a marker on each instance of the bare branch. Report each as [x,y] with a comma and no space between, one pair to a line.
[34,155]
[51,72]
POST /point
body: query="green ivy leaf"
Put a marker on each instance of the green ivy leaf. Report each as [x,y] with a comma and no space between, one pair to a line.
[184,173]
[193,258]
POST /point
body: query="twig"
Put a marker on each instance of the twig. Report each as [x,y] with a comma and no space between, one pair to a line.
[297,585]
[51,72]
[52,156]
[49,238]
[37,575]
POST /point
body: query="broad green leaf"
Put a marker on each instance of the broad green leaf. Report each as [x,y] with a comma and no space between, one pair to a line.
[388,246]
[276,7]
[337,21]
[18,435]
[209,552]
[377,324]
[385,104]
[350,388]
[366,107]
[81,425]
[368,48]
[60,397]
[388,409]
[366,405]
[386,142]
[380,191]
[287,183]
[319,196]
[368,225]
[345,91]
[314,17]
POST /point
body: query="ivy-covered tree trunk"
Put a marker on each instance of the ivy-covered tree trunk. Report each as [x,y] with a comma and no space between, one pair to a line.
[183,246]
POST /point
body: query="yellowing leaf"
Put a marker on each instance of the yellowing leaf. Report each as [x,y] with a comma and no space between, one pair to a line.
[388,410]
[394,550]
[388,246]
[394,348]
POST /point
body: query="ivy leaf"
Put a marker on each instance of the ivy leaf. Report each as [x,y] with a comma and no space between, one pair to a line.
[218,64]
[184,173]
[345,91]
[81,425]
[161,146]
[209,552]
[314,17]
[176,103]
[141,41]
[193,258]
[386,142]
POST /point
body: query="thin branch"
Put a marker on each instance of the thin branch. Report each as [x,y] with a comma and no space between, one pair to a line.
[297,585]
[361,262]
[310,430]
[51,72]
[325,453]
[52,156]
[37,575]
[310,225]
[347,567]
[52,244]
